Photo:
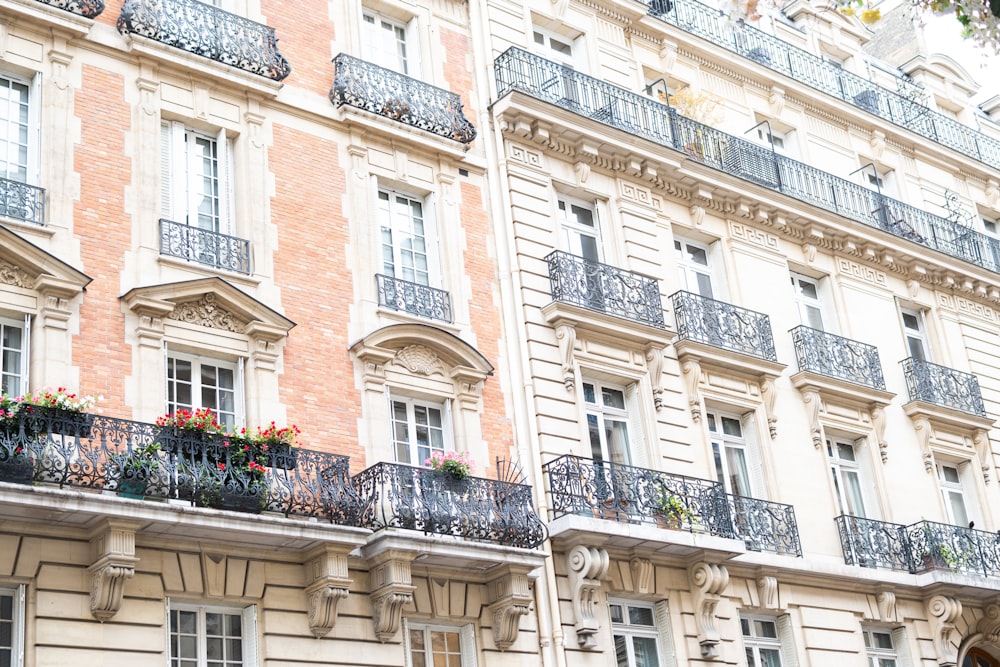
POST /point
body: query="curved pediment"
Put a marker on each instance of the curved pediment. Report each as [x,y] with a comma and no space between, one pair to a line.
[423,350]
[26,266]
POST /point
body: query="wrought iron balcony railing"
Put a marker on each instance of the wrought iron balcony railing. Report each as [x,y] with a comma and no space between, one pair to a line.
[723,325]
[393,495]
[204,30]
[629,494]
[837,357]
[518,70]
[85,8]
[919,547]
[367,86]
[21,201]
[943,386]
[107,454]
[901,108]
[203,246]
[414,298]
[605,289]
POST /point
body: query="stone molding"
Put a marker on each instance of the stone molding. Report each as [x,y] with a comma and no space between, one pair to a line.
[709,581]
[942,612]
[587,566]
[391,589]
[113,548]
[510,599]
[329,583]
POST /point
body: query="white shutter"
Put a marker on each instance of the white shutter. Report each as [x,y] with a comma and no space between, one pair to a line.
[226,202]
[467,642]
[863,454]
[449,430]
[174,171]
[34,130]
[18,638]
[412,49]
[668,654]
[749,424]
[240,398]
[407,658]
[250,636]
[166,172]
[903,656]
[789,657]
[434,269]
[166,379]
[636,432]
[25,369]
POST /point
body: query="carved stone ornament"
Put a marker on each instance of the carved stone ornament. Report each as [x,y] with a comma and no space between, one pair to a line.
[813,403]
[942,612]
[925,432]
[692,374]
[326,570]
[767,588]
[989,624]
[510,599]
[709,581]
[207,312]
[886,601]
[587,566]
[654,365]
[642,575]
[769,394]
[13,275]
[878,421]
[114,563]
[420,360]
[391,590]
[566,335]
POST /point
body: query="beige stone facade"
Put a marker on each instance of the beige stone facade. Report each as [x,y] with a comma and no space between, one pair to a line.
[711,304]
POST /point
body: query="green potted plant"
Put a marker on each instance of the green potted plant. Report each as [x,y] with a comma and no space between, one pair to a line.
[237,481]
[277,443]
[188,430]
[134,468]
[57,411]
[670,510]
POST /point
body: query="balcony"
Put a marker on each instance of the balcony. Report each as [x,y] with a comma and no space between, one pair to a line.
[392,495]
[203,246]
[836,357]
[366,86]
[901,108]
[943,387]
[85,8]
[109,455]
[924,546]
[204,30]
[413,298]
[605,289]
[723,325]
[21,201]
[521,72]
[631,495]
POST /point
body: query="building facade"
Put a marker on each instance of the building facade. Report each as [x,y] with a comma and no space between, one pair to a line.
[711,303]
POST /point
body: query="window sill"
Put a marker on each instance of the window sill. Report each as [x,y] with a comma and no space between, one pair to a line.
[53,17]
[203,270]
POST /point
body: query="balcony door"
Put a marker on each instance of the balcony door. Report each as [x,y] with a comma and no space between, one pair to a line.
[559,82]
[736,466]
[850,479]
[694,267]
[915,333]
[806,293]
[388,44]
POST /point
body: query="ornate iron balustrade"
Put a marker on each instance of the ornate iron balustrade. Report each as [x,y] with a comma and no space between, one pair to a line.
[943,386]
[208,31]
[85,8]
[95,452]
[21,201]
[837,357]
[400,496]
[367,86]
[723,325]
[780,56]
[765,525]
[919,547]
[220,251]
[517,70]
[636,495]
[605,289]
[410,297]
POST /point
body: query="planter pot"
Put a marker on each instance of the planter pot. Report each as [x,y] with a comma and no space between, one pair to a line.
[17,471]
[40,420]
[190,443]
[250,500]
[284,457]
[132,488]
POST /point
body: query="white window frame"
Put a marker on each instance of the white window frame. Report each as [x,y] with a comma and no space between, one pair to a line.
[396,218]
[783,643]
[248,631]
[573,230]
[803,302]
[383,50]
[180,177]
[605,417]
[468,655]
[31,165]
[16,595]
[689,271]
[413,446]
[19,375]
[874,654]
[839,467]
[722,442]
[197,360]
[961,488]
[918,335]
[547,50]
[629,630]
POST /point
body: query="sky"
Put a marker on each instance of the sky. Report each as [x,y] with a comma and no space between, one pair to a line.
[943,35]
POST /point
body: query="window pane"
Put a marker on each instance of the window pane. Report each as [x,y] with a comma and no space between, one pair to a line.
[770,657]
[621,651]
[640,616]
[765,629]
[613,398]
[882,640]
[616,613]
[645,652]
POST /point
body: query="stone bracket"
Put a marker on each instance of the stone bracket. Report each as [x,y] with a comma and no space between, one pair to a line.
[709,582]
[587,566]
[510,599]
[942,612]
[113,550]
[329,583]
[391,590]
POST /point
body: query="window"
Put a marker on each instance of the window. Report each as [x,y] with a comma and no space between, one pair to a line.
[579,228]
[807,299]
[419,428]
[879,648]
[200,382]
[195,178]
[730,452]
[14,356]
[11,626]
[633,627]
[607,423]
[950,479]
[554,47]
[979,658]
[440,646]
[385,43]
[212,637]
[15,130]
[915,334]
[408,244]
[847,477]
[693,265]
[760,639]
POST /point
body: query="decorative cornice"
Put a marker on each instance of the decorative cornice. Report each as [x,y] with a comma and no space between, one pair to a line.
[709,582]
[587,566]
[11,274]
[208,312]
[326,570]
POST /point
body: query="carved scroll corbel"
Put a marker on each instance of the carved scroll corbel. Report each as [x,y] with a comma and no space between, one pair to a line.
[989,624]
[654,364]
[813,403]
[692,373]
[326,570]
[769,394]
[924,430]
[566,335]
[391,590]
[510,599]
[981,443]
[943,611]
[642,575]
[113,547]
[886,601]
[709,581]
[878,421]
[767,589]
[587,566]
